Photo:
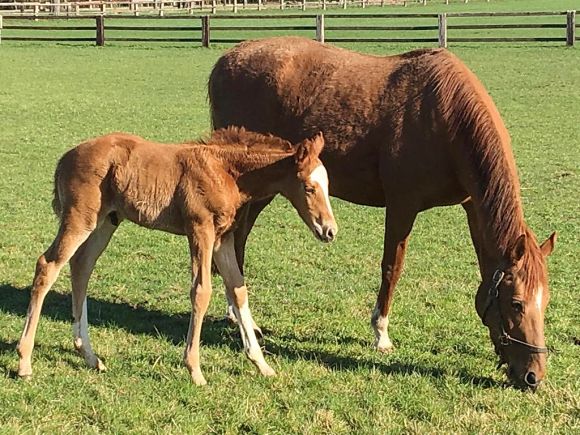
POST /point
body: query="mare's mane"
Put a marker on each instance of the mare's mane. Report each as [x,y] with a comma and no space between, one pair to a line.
[475,125]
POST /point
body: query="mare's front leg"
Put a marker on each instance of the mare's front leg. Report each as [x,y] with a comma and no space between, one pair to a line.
[225,260]
[398,225]
[201,243]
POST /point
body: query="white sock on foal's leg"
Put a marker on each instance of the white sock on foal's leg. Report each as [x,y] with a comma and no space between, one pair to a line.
[82,342]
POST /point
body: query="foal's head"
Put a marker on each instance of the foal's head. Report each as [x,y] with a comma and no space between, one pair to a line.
[307,189]
[511,303]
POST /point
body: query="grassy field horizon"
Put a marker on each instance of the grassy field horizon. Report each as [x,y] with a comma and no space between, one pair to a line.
[313,301]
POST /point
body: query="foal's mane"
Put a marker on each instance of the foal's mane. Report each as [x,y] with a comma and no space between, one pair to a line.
[240,139]
[476,127]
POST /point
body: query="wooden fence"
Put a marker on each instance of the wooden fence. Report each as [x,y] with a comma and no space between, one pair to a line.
[162,7]
[201,29]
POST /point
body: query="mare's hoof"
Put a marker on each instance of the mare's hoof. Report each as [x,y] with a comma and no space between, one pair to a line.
[100,366]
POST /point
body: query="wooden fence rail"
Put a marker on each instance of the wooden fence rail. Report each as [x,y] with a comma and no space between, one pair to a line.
[202,30]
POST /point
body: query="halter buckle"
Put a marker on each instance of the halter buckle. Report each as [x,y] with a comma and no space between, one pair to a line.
[505,339]
[497,277]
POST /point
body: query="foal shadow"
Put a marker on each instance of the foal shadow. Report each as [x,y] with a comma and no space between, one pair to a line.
[133,319]
[215,332]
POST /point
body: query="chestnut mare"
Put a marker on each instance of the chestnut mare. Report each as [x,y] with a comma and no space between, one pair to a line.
[193,189]
[408,132]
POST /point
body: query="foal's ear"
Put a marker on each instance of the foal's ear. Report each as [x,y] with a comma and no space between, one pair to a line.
[548,246]
[308,151]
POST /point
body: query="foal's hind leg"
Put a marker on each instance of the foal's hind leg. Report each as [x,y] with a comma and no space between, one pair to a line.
[225,259]
[72,233]
[81,267]
[201,245]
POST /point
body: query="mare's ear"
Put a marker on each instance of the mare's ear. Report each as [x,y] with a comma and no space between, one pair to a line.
[548,246]
[518,249]
[308,151]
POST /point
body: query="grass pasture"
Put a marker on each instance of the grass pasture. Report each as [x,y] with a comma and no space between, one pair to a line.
[312,300]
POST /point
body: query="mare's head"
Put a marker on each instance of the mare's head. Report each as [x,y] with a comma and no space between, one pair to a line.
[511,302]
[307,189]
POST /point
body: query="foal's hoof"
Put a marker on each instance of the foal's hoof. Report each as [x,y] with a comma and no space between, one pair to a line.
[386,349]
[267,371]
[198,379]
[25,377]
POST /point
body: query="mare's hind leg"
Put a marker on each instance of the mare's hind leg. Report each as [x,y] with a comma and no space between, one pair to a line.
[399,223]
[246,221]
[81,267]
[225,260]
[73,231]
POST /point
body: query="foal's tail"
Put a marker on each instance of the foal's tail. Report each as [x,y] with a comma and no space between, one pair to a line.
[56,200]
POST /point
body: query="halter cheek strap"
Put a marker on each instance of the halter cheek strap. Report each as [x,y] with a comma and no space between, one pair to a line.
[504,338]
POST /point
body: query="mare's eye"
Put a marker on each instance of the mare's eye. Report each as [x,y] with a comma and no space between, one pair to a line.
[518,306]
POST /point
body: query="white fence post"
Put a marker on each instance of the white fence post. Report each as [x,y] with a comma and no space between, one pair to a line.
[320,28]
[0,29]
[442,26]
[235,6]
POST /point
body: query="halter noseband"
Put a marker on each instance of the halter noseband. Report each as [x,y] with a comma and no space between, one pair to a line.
[504,338]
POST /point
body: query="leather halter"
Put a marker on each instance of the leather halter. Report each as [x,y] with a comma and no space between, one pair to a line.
[504,338]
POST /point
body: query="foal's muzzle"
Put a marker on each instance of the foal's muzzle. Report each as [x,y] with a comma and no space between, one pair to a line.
[325,232]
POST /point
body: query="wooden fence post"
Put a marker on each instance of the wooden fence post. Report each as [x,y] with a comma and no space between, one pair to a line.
[281,5]
[0,29]
[344,4]
[100,22]
[303,5]
[235,6]
[570,28]
[323,5]
[442,25]
[259,5]
[213,7]
[320,28]
[205,31]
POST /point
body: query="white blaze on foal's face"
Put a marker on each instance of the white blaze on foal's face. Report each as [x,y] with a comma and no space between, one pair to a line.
[319,178]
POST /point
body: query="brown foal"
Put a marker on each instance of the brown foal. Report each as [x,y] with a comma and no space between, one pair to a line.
[192,189]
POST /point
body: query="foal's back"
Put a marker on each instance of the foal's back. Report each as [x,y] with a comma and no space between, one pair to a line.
[155,185]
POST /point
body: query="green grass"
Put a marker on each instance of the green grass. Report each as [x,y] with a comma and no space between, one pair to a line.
[312,300]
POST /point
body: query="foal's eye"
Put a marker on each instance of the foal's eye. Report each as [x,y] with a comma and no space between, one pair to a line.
[309,189]
[518,306]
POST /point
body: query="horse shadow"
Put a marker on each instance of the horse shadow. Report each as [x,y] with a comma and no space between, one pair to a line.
[215,332]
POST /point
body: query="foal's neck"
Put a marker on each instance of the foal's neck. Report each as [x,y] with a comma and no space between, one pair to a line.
[258,174]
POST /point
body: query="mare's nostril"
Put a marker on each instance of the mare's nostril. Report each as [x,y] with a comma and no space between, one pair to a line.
[531,379]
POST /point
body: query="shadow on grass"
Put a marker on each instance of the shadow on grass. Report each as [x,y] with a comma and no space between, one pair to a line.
[140,320]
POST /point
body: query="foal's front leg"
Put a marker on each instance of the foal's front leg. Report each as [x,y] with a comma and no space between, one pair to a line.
[225,260]
[201,246]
